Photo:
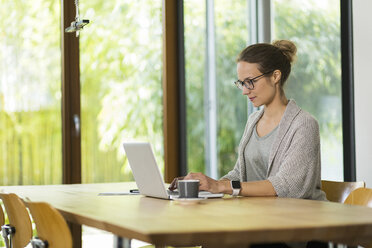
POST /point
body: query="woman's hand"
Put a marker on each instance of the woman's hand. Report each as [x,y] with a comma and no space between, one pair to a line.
[205,183]
[174,183]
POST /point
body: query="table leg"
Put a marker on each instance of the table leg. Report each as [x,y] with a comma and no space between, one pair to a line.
[120,242]
[76,234]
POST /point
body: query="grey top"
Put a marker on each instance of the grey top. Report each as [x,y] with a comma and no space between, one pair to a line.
[294,161]
[257,153]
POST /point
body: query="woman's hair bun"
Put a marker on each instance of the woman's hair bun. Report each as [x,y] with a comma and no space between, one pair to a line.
[288,48]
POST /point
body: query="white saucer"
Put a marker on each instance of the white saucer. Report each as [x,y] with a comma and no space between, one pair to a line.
[189,201]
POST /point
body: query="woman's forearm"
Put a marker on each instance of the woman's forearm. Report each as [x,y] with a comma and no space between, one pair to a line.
[255,188]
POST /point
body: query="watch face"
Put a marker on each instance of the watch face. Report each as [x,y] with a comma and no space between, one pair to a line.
[235,184]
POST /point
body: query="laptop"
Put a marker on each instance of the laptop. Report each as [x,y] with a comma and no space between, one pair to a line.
[147,174]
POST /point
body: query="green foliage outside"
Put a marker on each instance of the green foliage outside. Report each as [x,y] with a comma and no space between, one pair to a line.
[121,86]
[121,90]
[195,55]
[30,93]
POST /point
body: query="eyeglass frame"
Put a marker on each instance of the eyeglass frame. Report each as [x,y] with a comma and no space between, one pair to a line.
[249,82]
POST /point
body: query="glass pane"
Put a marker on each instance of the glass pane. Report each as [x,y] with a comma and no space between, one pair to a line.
[195,59]
[121,89]
[231,34]
[231,18]
[315,82]
[30,93]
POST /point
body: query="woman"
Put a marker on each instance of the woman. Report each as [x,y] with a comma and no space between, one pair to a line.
[279,153]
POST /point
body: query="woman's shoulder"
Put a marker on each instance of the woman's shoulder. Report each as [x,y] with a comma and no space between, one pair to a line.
[304,118]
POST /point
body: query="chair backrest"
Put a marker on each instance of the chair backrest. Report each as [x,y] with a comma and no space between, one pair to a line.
[361,196]
[2,217]
[50,225]
[18,218]
[339,191]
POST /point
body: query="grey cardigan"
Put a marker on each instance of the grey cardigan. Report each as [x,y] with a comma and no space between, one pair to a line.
[294,162]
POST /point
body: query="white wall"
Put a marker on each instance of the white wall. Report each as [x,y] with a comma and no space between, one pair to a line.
[362,22]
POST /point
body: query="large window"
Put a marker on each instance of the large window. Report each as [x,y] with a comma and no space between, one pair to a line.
[315,82]
[121,89]
[30,93]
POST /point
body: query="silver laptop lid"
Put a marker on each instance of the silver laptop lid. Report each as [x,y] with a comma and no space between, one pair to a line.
[145,170]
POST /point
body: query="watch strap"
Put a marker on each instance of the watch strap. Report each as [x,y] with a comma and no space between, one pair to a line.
[235,185]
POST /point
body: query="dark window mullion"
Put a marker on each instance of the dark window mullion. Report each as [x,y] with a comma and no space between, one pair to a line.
[348,120]
[71,145]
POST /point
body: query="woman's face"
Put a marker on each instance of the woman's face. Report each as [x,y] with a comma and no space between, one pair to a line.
[265,88]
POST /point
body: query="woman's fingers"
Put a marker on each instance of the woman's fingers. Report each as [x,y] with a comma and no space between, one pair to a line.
[193,175]
[203,180]
[173,185]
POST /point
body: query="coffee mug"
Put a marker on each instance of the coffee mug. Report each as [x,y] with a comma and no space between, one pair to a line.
[188,188]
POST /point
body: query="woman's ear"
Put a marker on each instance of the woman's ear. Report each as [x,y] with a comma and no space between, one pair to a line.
[277,74]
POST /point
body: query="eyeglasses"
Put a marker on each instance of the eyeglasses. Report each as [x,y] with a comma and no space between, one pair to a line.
[249,83]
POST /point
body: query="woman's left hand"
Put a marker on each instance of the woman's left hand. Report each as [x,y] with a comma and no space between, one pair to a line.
[205,183]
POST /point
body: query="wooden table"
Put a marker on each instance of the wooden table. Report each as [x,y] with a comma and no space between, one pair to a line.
[214,223]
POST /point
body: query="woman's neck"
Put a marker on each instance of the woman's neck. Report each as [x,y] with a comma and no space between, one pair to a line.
[276,108]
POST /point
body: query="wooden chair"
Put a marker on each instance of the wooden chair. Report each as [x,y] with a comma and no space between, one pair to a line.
[361,196]
[19,230]
[2,222]
[52,229]
[339,191]
[2,217]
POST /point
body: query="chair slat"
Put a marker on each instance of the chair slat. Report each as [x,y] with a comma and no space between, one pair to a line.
[18,218]
[2,217]
[339,191]
[50,225]
[361,196]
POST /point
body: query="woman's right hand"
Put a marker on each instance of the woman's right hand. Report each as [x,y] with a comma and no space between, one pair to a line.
[174,183]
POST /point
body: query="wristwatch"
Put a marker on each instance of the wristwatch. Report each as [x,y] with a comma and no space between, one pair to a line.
[235,185]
